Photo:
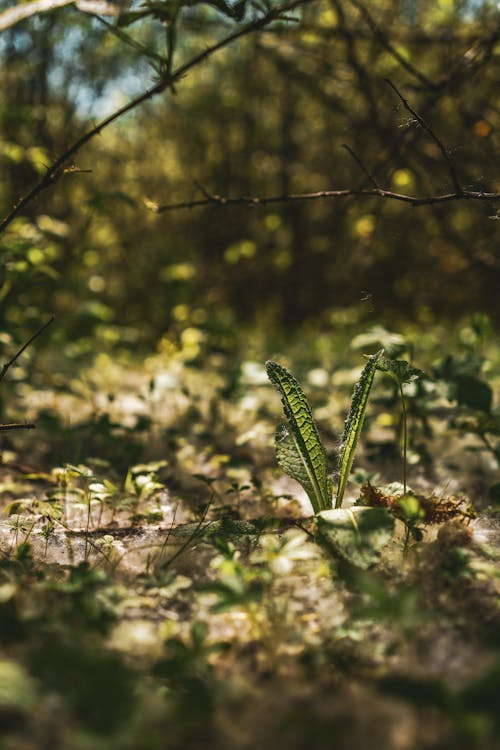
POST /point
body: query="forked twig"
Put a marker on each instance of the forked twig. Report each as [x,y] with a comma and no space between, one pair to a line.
[16,356]
[376,191]
[439,143]
[5,367]
[362,166]
[258,200]
[379,34]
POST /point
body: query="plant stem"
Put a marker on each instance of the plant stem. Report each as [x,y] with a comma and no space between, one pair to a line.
[405,435]
[406,542]
[88,497]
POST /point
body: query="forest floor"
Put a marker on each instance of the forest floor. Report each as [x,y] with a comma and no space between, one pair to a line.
[163,583]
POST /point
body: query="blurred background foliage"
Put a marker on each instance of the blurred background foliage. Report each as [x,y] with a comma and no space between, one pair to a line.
[267,115]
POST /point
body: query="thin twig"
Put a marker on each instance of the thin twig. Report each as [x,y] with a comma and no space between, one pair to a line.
[55,171]
[171,33]
[435,138]
[449,83]
[359,69]
[203,191]
[413,200]
[362,166]
[128,39]
[18,426]
[8,364]
[385,41]
[167,536]
[405,435]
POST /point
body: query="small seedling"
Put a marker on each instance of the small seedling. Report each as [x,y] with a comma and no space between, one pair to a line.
[47,532]
[401,372]
[410,512]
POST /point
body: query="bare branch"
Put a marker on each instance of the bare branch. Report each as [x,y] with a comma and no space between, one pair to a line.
[361,165]
[413,200]
[18,426]
[428,129]
[19,12]
[98,7]
[127,39]
[376,192]
[364,80]
[16,356]
[204,192]
[11,16]
[379,34]
[55,171]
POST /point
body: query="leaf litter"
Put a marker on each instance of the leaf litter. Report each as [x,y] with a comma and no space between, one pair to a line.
[168,540]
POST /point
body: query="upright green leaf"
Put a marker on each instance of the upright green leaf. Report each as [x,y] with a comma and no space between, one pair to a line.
[299,450]
[354,423]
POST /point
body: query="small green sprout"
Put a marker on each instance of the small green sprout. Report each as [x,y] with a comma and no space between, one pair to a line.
[401,372]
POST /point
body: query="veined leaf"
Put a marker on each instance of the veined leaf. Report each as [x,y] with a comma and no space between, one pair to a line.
[358,533]
[354,423]
[299,449]
[291,461]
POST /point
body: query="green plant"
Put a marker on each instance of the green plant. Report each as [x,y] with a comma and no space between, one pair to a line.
[87,477]
[299,449]
[357,534]
[354,423]
[411,513]
[401,372]
[474,411]
[47,532]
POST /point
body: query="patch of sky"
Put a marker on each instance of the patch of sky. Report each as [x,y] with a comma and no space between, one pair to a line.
[410,9]
[116,93]
[73,70]
[18,43]
[96,98]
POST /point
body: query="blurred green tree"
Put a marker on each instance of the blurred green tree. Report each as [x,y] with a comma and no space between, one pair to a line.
[232,118]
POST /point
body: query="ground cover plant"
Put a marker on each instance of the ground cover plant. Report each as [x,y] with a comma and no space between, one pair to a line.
[189,599]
